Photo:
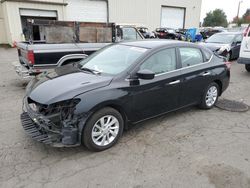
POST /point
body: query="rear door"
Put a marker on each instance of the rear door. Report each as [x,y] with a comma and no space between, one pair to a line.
[196,74]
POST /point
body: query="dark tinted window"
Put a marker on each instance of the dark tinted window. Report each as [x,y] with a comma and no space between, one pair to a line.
[190,56]
[161,62]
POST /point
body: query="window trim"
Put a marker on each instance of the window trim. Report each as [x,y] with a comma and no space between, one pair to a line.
[184,68]
[179,67]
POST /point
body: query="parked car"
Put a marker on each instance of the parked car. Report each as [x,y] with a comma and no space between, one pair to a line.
[146,33]
[245,50]
[62,38]
[226,44]
[208,32]
[166,33]
[93,101]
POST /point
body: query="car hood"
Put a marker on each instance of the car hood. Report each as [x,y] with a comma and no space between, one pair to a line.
[63,83]
[213,46]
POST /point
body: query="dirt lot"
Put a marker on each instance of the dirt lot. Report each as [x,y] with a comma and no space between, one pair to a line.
[189,148]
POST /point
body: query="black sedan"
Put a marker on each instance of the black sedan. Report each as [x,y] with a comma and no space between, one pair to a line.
[146,33]
[226,44]
[93,101]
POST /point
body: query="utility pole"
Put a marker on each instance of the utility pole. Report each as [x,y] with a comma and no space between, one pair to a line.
[239,9]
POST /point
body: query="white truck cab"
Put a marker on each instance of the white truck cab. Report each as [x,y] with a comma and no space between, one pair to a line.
[245,50]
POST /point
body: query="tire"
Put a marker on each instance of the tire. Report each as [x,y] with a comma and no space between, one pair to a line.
[247,67]
[210,96]
[98,124]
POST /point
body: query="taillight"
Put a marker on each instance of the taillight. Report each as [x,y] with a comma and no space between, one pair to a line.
[228,64]
[31,57]
[247,30]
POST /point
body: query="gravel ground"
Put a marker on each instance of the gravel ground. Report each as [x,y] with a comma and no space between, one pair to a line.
[189,148]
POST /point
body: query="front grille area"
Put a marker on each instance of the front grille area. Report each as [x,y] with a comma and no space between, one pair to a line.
[35,131]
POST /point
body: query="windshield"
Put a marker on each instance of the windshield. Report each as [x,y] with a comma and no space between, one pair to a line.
[221,38]
[112,60]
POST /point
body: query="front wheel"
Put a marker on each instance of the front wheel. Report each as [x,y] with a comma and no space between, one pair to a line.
[103,129]
[210,96]
[247,68]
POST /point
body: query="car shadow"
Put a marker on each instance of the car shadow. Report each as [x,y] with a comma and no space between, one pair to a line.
[132,131]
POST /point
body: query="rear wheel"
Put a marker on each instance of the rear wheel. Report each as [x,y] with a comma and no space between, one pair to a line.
[210,96]
[103,129]
[247,68]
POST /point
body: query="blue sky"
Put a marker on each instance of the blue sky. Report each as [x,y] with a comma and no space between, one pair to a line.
[230,7]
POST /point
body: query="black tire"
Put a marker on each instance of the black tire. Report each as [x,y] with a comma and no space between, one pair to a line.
[203,104]
[87,132]
[247,67]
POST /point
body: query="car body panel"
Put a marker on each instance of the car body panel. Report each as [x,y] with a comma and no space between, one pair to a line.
[66,82]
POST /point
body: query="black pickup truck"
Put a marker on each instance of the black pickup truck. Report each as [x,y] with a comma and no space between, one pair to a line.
[66,42]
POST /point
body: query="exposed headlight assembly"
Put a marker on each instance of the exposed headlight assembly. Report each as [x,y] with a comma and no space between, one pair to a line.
[65,108]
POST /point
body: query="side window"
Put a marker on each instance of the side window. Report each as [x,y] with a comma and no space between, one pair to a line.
[190,56]
[161,62]
[129,34]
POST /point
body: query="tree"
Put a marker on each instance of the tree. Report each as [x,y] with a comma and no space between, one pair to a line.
[242,20]
[215,18]
[246,16]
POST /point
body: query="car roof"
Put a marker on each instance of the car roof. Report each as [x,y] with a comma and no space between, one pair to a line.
[150,43]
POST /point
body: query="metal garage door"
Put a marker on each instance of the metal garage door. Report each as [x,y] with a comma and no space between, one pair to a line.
[172,17]
[86,11]
[38,13]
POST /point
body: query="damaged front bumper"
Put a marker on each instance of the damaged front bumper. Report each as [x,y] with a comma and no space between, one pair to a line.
[41,129]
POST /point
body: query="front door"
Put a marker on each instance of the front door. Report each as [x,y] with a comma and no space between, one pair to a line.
[161,94]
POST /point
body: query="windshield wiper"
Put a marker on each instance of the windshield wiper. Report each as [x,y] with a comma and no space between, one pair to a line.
[90,70]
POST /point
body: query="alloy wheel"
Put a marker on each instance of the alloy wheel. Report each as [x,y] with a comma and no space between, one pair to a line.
[105,130]
[211,96]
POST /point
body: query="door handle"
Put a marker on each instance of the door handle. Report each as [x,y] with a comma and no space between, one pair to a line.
[174,82]
[206,73]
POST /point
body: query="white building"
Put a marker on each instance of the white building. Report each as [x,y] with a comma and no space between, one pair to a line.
[149,13]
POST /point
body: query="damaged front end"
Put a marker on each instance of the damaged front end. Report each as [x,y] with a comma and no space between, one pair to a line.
[54,124]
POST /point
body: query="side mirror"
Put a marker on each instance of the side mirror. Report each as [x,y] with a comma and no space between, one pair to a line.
[145,74]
